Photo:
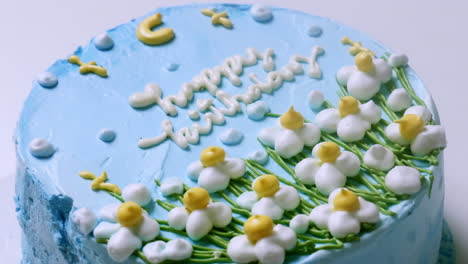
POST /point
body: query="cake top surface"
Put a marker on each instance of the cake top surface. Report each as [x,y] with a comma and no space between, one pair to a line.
[103,121]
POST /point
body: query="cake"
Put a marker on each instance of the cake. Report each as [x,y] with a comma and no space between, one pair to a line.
[230,133]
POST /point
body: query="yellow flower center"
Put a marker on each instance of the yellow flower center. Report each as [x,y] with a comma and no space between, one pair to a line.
[292,119]
[363,61]
[258,227]
[348,105]
[196,198]
[266,185]
[346,200]
[328,152]
[129,214]
[410,126]
[211,156]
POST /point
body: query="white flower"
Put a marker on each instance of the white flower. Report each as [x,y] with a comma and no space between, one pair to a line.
[290,138]
[403,180]
[399,100]
[351,120]
[379,157]
[412,130]
[126,235]
[85,220]
[176,249]
[344,213]
[327,174]
[203,214]
[216,177]
[268,250]
[272,204]
[361,84]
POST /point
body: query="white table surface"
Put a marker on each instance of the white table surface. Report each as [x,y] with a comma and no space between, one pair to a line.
[434,34]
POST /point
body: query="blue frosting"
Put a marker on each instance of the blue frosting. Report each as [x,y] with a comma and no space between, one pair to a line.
[107,135]
[70,117]
[47,80]
[314,31]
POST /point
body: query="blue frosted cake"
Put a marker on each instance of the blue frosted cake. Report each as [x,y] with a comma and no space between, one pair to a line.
[230,134]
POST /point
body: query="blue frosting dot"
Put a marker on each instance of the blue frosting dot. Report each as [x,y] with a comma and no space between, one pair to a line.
[231,136]
[260,156]
[172,67]
[47,80]
[314,31]
[257,110]
[261,13]
[41,148]
[103,42]
[107,135]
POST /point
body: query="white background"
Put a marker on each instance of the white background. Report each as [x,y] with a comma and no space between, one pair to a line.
[434,33]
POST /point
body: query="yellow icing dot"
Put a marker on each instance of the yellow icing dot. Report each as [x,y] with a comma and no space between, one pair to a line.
[146,34]
[410,126]
[348,105]
[266,185]
[363,61]
[218,18]
[292,119]
[258,227]
[129,214]
[196,198]
[211,156]
[346,200]
[328,152]
[90,67]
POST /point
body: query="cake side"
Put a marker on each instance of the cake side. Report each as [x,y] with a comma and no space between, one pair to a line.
[103,101]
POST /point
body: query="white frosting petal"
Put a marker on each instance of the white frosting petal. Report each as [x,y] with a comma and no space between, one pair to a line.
[399,100]
[198,224]
[383,71]
[231,136]
[342,223]
[431,138]
[260,156]
[398,59]
[148,229]
[103,41]
[370,112]
[348,163]
[421,111]
[393,133]
[403,180]
[363,85]
[267,206]
[257,110]
[172,186]
[352,128]
[310,134]
[213,179]
[154,251]
[178,249]
[332,195]
[328,178]
[105,230]
[233,167]
[367,212]
[247,200]
[138,193]
[85,220]
[269,252]
[327,120]
[284,237]
[306,170]
[379,157]
[122,244]
[315,150]
[194,170]
[288,143]
[320,215]
[300,223]
[220,214]
[268,135]
[240,250]
[109,212]
[343,74]
[315,99]
[177,218]
[287,197]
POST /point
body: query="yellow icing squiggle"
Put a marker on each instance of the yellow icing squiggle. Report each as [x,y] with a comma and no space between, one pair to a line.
[90,67]
[356,46]
[99,183]
[157,37]
[217,18]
